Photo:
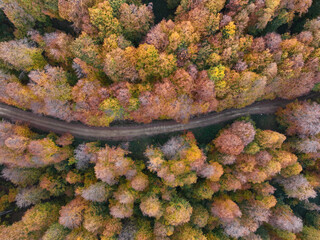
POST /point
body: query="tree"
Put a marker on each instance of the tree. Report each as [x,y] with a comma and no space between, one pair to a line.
[128,230]
[54,92]
[21,55]
[113,227]
[93,221]
[291,170]
[21,176]
[156,158]
[171,194]
[229,30]
[236,229]
[57,46]
[41,216]
[229,143]
[56,232]
[77,12]
[45,152]
[71,215]
[243,130]
[301,118]
[20,149]
[15,231]
[256,211]
[22,20]
[227,159]
[269,139]
[119,65]
[177,212]
[186,231]
[56,185]
[56,108]
[124,195]
[74,177]
[98,192]
[30,196]
[283,218]
[215,6]
[243,89]
[115,41]
[135,20]
[246,163]
[65,139]
[102,17]
[273,41]
[300,85]
[161,230]
[83,154]
[139,182]
[14,93]
[225,209]
[144,230]
[112,108]
[307,146]
[176,171]
[310,233]
[313,26]
[298,6]
[50,83]
[200,216]
[184,83]
[151,206]
[116,4]
[173,146]
[152,64]
[212,171]
[119,210]
[285,158]
[37,10]
[298,187]
[204,189]
[112,163]
[80,233]
[263,158]
[85,49]
[204,90]
[88,100]
[158,35]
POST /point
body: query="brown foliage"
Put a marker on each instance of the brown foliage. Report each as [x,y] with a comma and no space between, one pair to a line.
[71,215]
[225,209]
[229,143]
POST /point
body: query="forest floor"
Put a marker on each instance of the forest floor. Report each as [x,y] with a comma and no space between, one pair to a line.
[130,131]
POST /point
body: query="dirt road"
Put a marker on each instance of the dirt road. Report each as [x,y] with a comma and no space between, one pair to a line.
[134,131]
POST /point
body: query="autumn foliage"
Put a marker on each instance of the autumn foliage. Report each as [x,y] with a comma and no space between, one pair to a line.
[117,63]
[178,190]
[100,61]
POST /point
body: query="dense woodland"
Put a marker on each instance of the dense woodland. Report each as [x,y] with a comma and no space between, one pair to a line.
[246,183]
[99,61]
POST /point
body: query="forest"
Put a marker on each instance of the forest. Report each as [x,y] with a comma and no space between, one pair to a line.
[114,62]
[102,61]
[246,183]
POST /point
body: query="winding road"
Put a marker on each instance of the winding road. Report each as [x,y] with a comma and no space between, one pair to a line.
[129,132]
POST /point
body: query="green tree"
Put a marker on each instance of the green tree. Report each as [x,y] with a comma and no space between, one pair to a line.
[56,232]
[102,17]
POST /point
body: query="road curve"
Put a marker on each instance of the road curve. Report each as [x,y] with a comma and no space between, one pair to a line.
[134,131]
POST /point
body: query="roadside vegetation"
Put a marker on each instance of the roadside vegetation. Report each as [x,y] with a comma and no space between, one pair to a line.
[102,61]
[247,182]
